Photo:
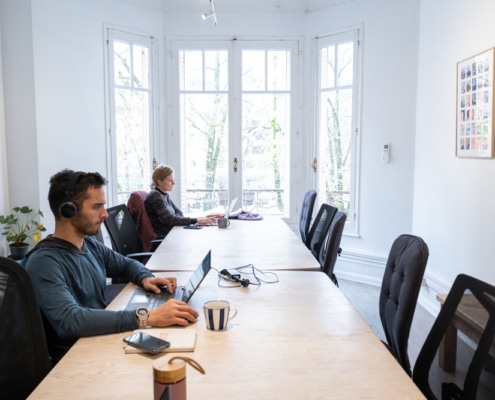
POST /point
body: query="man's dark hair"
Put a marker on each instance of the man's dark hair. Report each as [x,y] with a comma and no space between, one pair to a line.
[59,186]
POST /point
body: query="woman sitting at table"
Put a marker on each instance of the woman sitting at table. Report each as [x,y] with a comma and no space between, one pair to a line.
[163,213]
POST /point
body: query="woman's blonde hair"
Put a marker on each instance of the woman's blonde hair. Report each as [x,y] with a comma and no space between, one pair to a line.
[159,173]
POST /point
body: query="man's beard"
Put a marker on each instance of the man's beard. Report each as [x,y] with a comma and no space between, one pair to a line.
[84,227]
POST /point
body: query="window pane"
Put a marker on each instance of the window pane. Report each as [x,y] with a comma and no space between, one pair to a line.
[140,66]
[191,71]
[216,71]
[204,120]
[278,70]
[132,131]
[122,63]
[327,67]
[265,153]
[253,70]
[335,147]
[346,68]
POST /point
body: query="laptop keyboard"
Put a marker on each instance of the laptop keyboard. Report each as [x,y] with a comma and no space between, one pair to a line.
[156,300]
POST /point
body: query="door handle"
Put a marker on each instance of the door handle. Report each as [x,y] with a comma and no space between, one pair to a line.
[235,164]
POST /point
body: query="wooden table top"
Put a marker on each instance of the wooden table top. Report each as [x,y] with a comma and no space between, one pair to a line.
[296,339]
[269,244]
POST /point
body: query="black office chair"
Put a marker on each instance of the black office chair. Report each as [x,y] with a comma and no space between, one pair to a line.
[307,214]
[331,246]
[320,228]
[24,358]
[484,293]
[399,293]
[124,235]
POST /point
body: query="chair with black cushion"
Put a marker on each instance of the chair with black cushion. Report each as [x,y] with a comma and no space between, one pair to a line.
[124,235]
[136,207]
[320,228]
[331,246]
[399,293]
[24,357]
[481,296]
[307,214]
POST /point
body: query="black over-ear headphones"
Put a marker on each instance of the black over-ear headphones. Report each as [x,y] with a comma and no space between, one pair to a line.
[68,208]
[235,277]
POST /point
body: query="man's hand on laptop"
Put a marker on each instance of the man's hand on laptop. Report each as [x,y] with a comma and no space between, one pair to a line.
[173,312]
[156,285]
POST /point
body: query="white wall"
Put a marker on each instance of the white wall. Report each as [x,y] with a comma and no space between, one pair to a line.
[69,105]
[388,111]
[453,198]
[4,205]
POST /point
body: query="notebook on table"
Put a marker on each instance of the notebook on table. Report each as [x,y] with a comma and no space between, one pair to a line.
[143,298]
[181,340]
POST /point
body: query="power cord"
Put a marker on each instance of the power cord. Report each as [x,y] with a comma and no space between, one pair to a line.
[235,279]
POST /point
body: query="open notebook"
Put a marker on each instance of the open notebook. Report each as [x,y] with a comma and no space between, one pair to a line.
[181,340]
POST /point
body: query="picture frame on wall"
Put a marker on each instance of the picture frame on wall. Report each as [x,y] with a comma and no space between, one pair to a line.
[475,106]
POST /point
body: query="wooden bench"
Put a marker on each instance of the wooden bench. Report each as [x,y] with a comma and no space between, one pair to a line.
[470,318]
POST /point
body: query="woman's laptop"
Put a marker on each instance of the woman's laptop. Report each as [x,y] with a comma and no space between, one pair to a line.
[142,298]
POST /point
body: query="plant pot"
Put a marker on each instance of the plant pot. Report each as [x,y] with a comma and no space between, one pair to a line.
[18,252]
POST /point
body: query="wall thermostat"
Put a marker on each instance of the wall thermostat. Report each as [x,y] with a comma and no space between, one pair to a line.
[386,153]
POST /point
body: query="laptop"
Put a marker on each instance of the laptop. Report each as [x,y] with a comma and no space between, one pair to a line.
[231,208]
[227,213]
[143,298]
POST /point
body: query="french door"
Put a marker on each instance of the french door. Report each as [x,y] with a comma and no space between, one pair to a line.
[234,123]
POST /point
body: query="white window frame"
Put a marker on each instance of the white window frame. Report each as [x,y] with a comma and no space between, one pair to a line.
[117,33]
[174,140]
[354,33]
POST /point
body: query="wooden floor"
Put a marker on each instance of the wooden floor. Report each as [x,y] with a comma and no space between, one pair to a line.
[365,297]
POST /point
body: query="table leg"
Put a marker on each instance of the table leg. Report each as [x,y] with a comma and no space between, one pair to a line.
[448,349]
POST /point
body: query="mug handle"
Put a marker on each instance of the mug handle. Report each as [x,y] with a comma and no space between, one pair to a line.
[228,222]
[232,313]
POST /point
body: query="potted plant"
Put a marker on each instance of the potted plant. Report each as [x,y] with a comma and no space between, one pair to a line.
[22,224]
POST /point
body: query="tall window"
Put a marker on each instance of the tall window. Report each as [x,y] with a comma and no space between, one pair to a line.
[235,124]
[130,72]
[337,138]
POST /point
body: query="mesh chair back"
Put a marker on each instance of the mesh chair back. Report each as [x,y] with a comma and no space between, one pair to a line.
[320,228]
[331,245]
[24,358]
[481,299]
[399,293]
[307,214]
[122,231]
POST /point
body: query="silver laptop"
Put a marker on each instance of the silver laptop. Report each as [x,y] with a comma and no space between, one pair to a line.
[142,298]
[227,212]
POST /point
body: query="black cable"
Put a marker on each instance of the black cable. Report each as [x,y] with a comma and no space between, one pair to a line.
[225,276]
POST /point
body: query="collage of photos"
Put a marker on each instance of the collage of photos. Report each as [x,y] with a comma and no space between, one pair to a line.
[475,106]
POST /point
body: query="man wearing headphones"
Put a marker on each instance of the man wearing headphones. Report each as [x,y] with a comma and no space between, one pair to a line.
[69,269]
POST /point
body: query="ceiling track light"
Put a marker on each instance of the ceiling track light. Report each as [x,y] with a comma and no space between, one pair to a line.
[211,13]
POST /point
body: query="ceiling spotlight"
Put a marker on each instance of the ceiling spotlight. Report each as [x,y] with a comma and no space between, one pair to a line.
[210,13]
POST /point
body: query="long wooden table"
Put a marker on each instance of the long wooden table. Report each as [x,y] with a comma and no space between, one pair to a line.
[295,339]
[268,244]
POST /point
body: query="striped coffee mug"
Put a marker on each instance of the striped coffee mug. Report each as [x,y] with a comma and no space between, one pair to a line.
[217,314]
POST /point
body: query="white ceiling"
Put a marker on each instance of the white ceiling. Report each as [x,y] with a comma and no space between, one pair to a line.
[284,6]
